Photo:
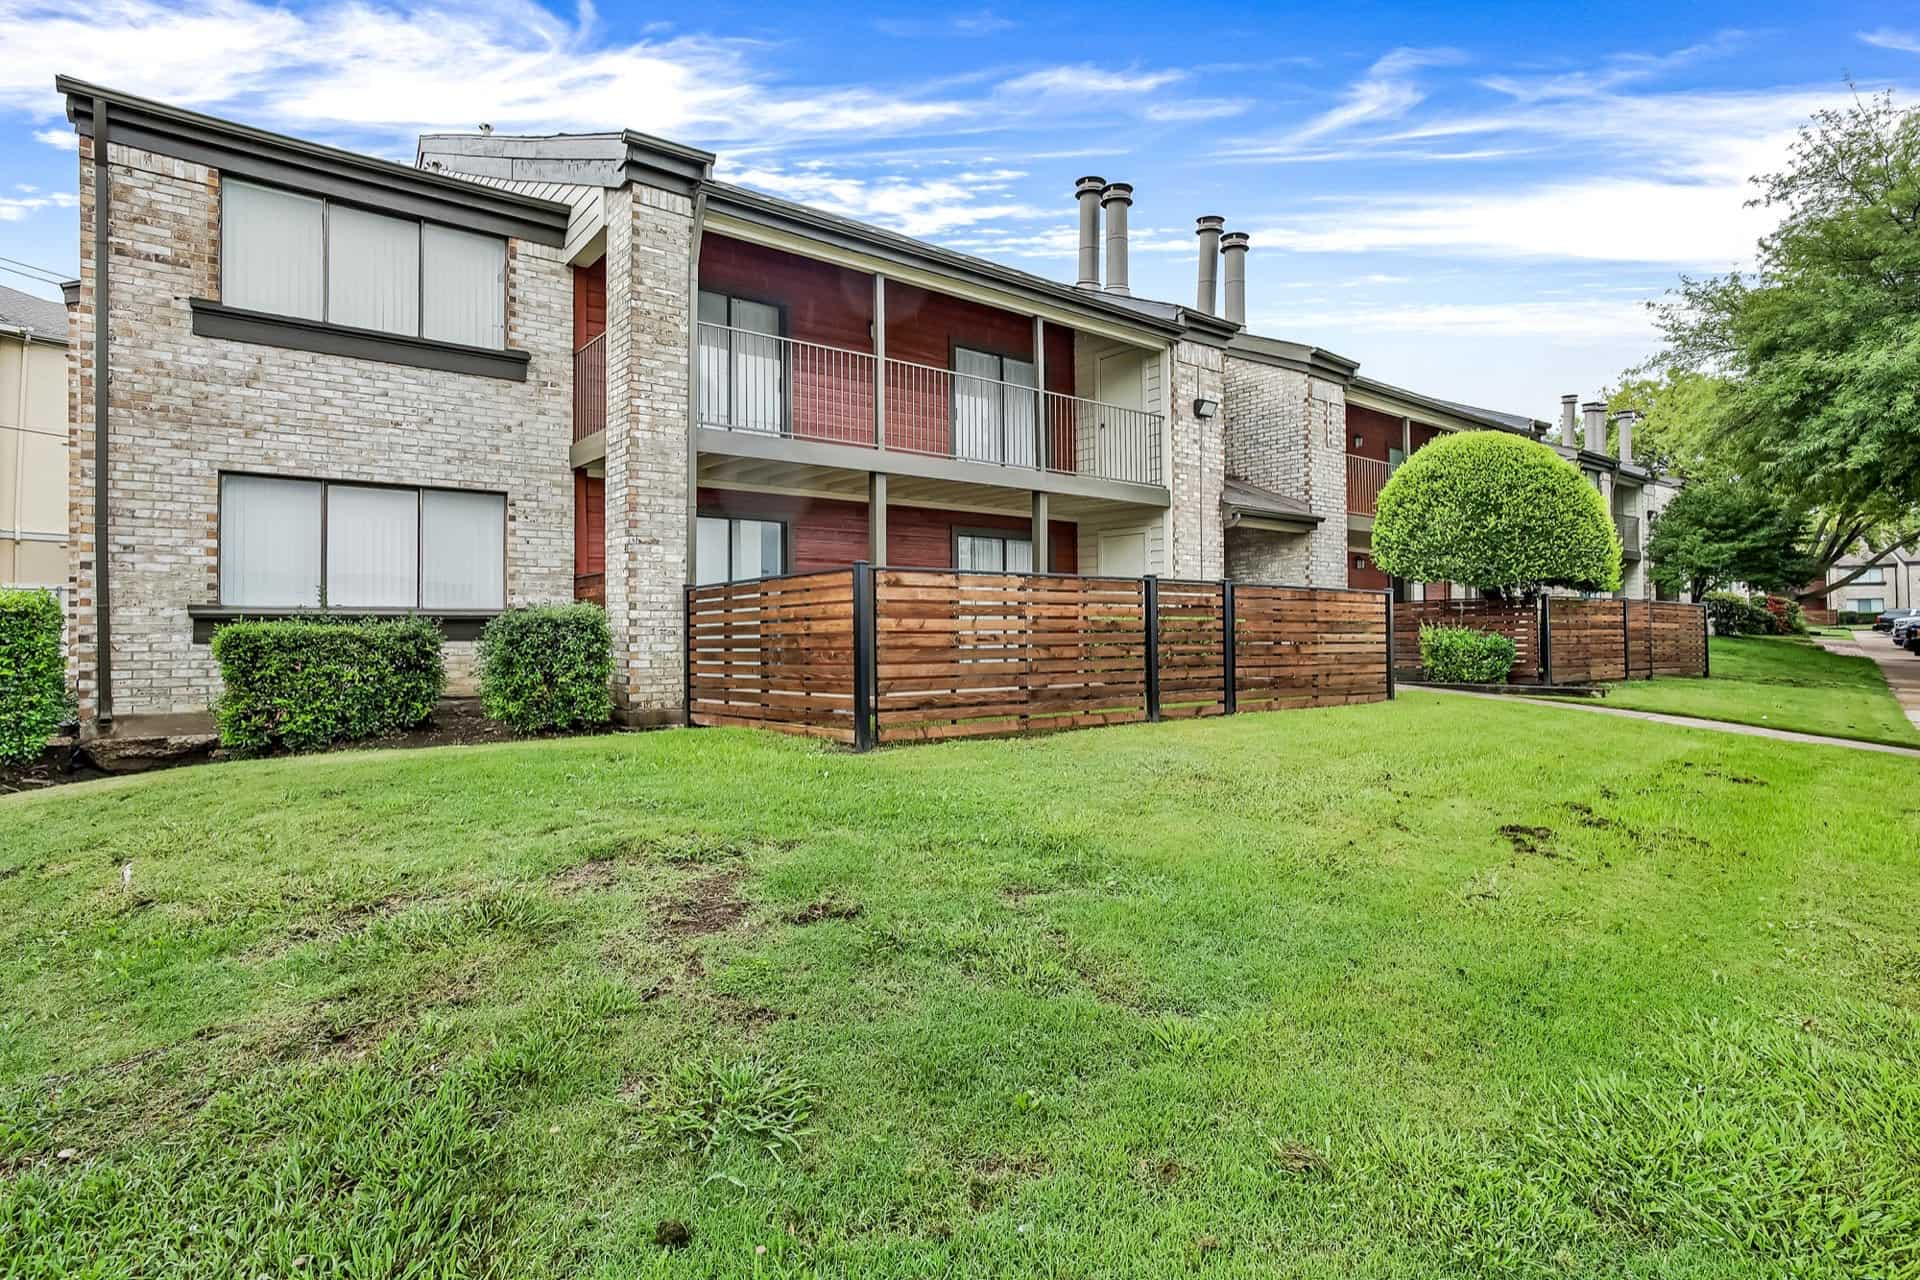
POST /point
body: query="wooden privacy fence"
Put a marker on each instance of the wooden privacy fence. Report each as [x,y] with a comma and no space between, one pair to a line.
[865,655]
[1565,641]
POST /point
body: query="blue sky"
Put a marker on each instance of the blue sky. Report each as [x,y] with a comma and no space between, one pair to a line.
[1472,200]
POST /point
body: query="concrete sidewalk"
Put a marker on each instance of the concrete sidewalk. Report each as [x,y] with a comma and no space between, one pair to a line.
[1693,722]
[1902,669]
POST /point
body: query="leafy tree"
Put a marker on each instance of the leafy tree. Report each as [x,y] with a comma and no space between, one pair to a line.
[1720,531]
[1675,433]
[1819,347]
[1495,511]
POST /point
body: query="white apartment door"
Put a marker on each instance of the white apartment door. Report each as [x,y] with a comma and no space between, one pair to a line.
[1123,553]
[1121,380]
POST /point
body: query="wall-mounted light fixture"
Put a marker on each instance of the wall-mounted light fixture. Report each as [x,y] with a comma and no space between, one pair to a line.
[1204,408]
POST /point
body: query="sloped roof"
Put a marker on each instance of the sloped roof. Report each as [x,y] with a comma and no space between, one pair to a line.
[1252,500]
[18,310]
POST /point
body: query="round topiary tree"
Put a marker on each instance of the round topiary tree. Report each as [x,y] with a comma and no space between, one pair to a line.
[1498,512]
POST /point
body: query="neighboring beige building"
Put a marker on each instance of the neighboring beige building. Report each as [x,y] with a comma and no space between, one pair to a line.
[1894,583]
[33,441]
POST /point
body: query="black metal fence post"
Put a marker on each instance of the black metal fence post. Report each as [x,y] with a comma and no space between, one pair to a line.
[865,641]
[1543,605]
[1229,652]
[1150,603]
[1390,644]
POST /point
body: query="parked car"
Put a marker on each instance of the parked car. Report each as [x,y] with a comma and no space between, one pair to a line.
[1886,620]
[1901,626]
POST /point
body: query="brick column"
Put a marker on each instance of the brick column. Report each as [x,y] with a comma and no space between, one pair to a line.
[649,248]
[1198,465]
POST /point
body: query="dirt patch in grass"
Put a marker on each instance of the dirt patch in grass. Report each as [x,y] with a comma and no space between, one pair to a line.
[708,905]
[1525,839]
[594,873]
[823,910]
[1301,1160]
[1586,817]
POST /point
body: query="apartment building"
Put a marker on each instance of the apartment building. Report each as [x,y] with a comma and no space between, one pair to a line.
[528,369]
[1894,583]
[33,441]
[1635,494]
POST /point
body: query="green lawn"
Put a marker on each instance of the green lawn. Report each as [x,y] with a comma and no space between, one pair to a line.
[1438,987]
[1783,682]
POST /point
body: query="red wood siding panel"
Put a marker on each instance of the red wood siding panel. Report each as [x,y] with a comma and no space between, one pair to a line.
[828,533]
[589,536]
[820,303]
[1363,572]
[1379,432]
[589,303]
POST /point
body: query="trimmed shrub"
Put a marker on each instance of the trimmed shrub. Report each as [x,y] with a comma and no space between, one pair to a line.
[33,674]
[1856,618]
[1733,614]
[1462,655]
[547,668]
[1789,619]
[302,685]
[1495,511]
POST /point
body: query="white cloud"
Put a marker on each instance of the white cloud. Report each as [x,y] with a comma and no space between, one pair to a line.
[1086,78]
[913,208]
[391,71]
[1888,38]
[983,22]
[18,208]
[1700,225]
[1574,319]
[1387,92]
[58,139]
[1189,109]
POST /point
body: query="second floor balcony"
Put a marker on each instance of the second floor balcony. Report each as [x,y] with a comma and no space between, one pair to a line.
[988,409]
[1366,477]
[1629,530]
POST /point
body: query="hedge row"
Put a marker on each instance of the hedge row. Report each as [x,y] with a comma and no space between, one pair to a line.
[1463,655]
[304,684]
[33,675]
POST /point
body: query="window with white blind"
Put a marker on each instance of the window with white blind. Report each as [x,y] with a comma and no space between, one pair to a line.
[743,375]
[993,407]
[992,552]
[730,550]
[294,544]
[288,254]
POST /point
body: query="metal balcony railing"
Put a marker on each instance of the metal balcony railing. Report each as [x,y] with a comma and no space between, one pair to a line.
[590,388]
[1365,478]
[756,382]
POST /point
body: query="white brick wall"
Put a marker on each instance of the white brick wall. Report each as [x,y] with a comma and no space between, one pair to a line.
[649,251]
[186,408]
[1276,436]
[1197,469]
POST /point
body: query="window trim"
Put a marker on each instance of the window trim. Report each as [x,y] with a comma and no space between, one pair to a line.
[954,347]
[959,531]
[783,337]
[236,324]
[786,545]
[216,319]
[222,609]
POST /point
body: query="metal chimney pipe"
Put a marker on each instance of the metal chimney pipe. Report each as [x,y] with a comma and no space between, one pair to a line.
[1233,248]
[1568,419]
[1625,422]
[1208,229]
[1087,192]
[1114,201]
[1595,412]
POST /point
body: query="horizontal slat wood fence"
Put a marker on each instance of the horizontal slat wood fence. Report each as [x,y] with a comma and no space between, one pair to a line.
[1566,641]
[776,653]
[1519,622]
[867,655]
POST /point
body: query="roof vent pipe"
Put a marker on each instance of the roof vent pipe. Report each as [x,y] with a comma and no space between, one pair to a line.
[1115,200]
[1569,411]
[1595,412]
[1233,248]
[1208,229]
[1087,192]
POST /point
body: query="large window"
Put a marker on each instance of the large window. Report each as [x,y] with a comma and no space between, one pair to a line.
[292,544]
[296,255]
[730,550]
[993,408]
[994,552]
[1870,604]
[743,376]
[1876,577]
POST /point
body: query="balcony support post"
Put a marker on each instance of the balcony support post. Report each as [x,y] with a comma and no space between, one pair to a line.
[877,517]
[1042,544]
[1406,439]
[1039,398]
[880,373]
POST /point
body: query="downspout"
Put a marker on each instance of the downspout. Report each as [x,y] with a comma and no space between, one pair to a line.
[102,529]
